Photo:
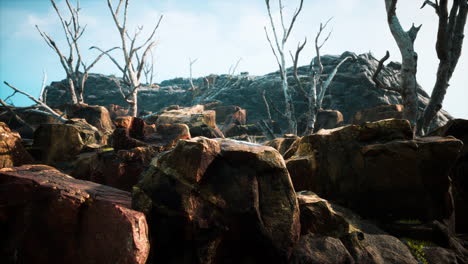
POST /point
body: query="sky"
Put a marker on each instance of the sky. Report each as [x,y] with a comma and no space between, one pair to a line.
[217,33]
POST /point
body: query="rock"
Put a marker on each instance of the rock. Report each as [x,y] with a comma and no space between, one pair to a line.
[219,201]
[352,90]
[238,118]
[332,234]
[326,119]
[378,113]
[282,144]
[95,115]
[119,169]
[458,128]
[33,119]
[56,143]
[116,111]
[200,121]
[132,132]
[12,152]
[49,217]
[316,249]
[241,130]
[378,170]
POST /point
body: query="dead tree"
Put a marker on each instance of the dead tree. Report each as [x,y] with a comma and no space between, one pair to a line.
[279,53]
[315,93]
[405,41]
[148,70]
[449,46]
[134,63]
[47,110]
[191,63]
[74,65]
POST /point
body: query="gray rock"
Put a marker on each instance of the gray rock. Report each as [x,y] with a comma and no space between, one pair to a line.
[352,90]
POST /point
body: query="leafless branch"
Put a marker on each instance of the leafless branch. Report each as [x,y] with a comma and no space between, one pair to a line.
[50,110]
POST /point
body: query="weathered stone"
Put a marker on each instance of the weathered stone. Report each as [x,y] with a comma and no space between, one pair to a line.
[458,128]
[378,113]
[116,111]
[62,142]
[219,201]
[282,144]
[333,234]
[95,115]
[12,152]
[328,119]
[378,170]
[49,217]
[119,169]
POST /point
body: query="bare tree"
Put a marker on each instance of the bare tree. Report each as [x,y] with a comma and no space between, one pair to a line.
[279,53]
[191,63]
[449,46]
[148,70]
[134,62]
[405,41]
[74,65]
[318,86]
[48,110]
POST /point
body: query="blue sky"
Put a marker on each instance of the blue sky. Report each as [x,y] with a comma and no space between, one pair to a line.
[218,33]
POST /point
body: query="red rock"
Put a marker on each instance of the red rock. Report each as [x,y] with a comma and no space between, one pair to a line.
[12,152]
[49,217]
[116,111]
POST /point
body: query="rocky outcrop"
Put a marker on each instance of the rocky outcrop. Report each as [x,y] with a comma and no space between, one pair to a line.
[49,217]
[282,144]
[219,201]
[54,143]
[378,170]
[458,128]
[334,235]
[32,118]
[351,91]
[12,152]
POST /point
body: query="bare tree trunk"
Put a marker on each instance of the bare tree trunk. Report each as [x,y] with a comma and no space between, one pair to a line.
[449,45]
[405,41]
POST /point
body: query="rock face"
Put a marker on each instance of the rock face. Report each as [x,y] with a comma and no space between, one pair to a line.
[49,217]
[351,91]
[378,170]
[34,119]
[334,235]
[458,128]
[62,142]
[219,201]
[12,152]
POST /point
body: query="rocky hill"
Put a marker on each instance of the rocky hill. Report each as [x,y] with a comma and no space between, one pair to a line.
[352,90]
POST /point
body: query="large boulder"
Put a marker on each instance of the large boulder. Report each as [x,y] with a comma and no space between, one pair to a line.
[458,128]
[95,115]
[378,170]
[12,152]
[49,217]
[332,234]
[119,169]
[28,114]
[282,144]
[219,201]
[56,143]
[134,132]
[200,121]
